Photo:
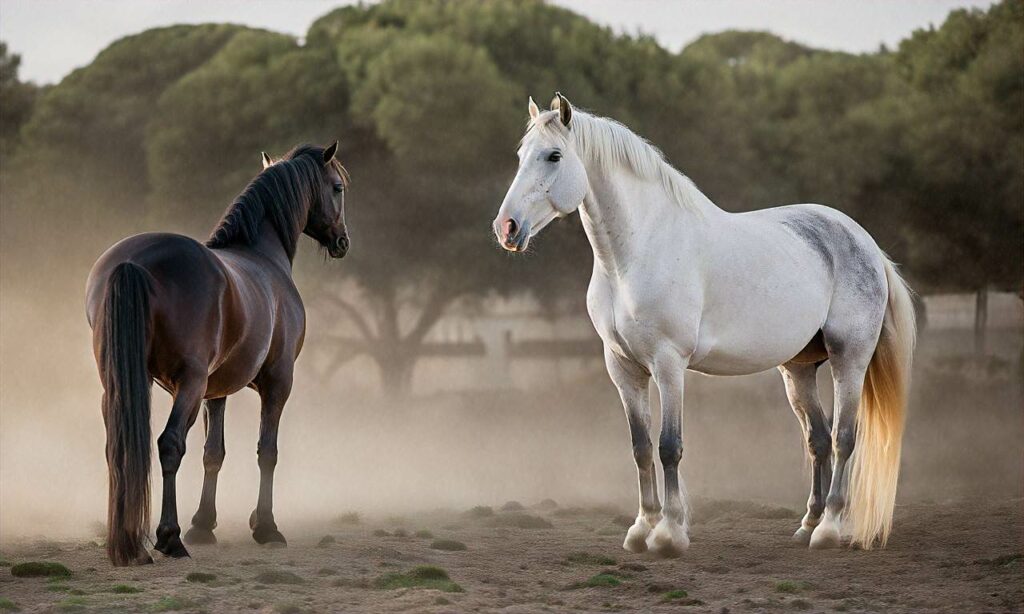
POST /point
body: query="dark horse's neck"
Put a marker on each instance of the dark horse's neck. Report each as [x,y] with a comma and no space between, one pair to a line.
[270,214]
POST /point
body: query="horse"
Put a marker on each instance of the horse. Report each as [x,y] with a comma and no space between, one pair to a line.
[205,321]
[679,284]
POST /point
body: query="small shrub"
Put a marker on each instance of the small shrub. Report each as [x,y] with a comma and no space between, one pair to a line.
[6,605]
[676,594]
[279,577]
[326,540]
[125,589]
[449,545]
[327,571]
[400,533]
[586,558]
[381,533]
[348,519]
[424,576]
[200,577]
[546,505]
[512,506]
[480,511]
[423,534]
[520,521]
[37,569]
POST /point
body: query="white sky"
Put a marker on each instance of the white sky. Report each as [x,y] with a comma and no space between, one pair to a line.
[56,36]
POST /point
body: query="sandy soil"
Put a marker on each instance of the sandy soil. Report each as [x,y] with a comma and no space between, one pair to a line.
[955,558]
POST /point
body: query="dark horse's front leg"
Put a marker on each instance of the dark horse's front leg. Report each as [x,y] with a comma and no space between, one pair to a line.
[171,445]
[274,390]
[205,520]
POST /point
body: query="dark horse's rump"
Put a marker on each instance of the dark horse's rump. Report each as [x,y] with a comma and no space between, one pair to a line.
[204,322]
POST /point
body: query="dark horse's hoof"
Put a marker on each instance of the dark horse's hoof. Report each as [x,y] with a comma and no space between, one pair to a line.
[269,536]
[172,548]
[143,559]
[200,536]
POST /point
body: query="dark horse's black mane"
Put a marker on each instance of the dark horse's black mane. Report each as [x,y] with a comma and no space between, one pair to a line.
[279,194]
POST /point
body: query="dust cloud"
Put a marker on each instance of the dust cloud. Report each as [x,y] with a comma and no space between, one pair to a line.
[344,447]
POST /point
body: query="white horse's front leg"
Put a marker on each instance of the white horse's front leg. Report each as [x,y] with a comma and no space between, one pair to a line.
[632,382]
[669,537]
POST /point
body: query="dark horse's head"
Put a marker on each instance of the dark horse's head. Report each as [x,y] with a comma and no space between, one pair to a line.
[302,193]
[325,222]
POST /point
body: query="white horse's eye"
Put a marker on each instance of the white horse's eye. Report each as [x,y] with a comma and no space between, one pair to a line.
[554,156]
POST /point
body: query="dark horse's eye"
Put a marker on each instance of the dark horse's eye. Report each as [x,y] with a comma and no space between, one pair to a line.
[338,188]
[554,156]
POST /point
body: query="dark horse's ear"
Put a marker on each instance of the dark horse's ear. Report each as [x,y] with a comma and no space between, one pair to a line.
[330,151]
[267,161]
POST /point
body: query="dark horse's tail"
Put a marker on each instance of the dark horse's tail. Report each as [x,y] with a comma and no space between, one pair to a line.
[126,383]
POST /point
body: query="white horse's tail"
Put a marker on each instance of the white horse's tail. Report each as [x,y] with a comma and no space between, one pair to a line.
[875,464]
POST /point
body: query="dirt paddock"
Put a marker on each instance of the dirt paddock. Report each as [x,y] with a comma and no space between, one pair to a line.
[957,557]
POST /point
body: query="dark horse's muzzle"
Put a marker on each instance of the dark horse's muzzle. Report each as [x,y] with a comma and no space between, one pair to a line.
[339,247]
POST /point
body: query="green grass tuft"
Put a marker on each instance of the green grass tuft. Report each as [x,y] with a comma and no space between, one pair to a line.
[200,577]
[424,576]
[72,604]
[6,605]
[279,577]
[424,534]
[125,589]
[480,511]
[449,545]
[36,569]
[600,580]
[676,594]
[381,533]
[791,587]
[586,558]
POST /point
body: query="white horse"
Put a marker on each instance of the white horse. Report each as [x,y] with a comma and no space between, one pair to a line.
[680,284]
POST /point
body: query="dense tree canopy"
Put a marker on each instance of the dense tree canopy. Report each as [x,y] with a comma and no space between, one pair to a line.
[923,144]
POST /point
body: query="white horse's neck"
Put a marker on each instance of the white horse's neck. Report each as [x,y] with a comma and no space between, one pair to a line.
[623,214]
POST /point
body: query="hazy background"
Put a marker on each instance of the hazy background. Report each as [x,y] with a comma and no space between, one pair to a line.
[439,370]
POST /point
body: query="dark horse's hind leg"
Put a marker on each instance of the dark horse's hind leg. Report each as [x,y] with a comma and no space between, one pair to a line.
[274,391]
[171,445]
[205,520]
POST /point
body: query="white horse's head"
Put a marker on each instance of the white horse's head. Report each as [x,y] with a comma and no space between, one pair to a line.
[551,181]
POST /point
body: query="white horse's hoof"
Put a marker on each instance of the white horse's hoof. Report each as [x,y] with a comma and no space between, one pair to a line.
[802,536]
[636,537]
[668,539]
[826,535]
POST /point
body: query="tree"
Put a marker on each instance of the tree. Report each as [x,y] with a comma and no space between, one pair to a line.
[16,101]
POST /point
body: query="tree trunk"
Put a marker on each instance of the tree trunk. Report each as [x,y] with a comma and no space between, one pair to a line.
[980,322]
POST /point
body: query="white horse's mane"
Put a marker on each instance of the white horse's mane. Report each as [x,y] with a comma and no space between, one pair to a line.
[611,144]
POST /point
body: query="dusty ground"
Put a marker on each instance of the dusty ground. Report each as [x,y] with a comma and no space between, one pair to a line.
[954,558]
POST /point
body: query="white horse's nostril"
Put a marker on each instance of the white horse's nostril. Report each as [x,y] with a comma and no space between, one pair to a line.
[510,228]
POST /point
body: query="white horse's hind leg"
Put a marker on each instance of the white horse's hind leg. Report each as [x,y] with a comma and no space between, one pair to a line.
[670,535]
[802,390]
[632,382]
[848,371]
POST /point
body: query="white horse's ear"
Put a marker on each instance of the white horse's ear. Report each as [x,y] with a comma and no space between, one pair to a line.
[534,111]
[561,104]
[267,161]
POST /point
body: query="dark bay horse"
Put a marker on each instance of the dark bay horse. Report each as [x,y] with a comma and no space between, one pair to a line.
[206,321]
